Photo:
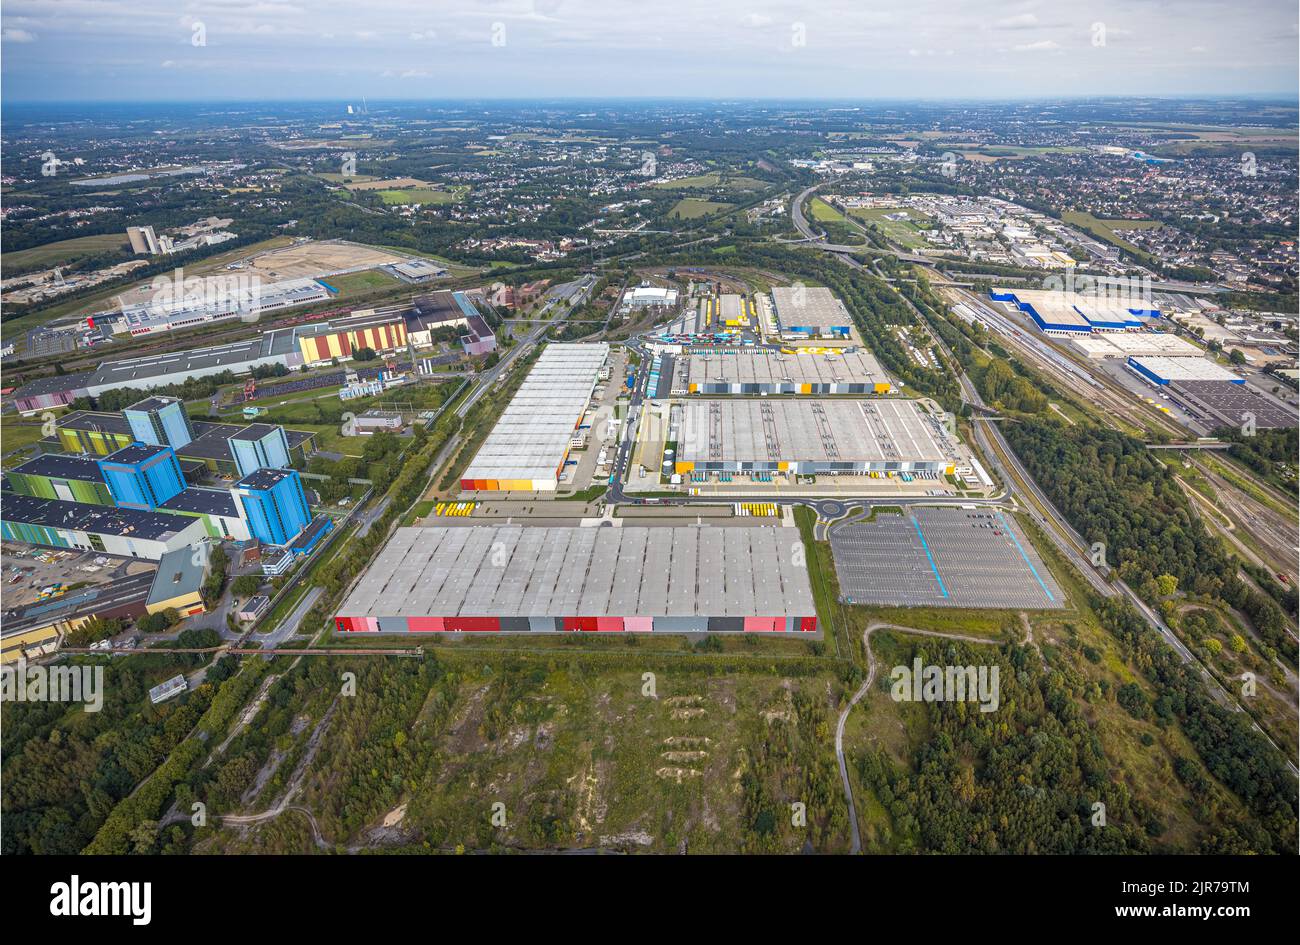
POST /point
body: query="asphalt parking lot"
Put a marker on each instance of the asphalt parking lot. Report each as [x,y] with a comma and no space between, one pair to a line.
[942,557]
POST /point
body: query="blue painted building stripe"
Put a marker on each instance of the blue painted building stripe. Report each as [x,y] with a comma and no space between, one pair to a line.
[933,567]
[1032,569]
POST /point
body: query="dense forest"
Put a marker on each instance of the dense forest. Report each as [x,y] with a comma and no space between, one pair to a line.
[1113,491]
[66,769]
[1020,780]
[1270,454]
[1234,752]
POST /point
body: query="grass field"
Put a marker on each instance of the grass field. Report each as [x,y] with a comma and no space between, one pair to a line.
[905,232]
[64,251]
[357,282]
[1108,230]
[417,195]
[18,434]
[348,179]
[573,755]
[711,180]
[823,212]
[690,208]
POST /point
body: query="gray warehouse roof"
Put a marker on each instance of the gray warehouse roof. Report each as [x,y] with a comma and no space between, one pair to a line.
[766,366]
[809,307]
[517,571]
[811,430]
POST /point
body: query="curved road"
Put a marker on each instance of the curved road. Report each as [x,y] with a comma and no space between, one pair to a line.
[856,845]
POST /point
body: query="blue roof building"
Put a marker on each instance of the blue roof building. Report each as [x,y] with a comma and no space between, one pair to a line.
[260,446]
[141,476]
[274,504]
[160,421]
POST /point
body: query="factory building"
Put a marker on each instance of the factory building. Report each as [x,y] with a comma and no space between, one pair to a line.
[56,476]
[279,346]
[144,242]
[809,437]
[527,448]
[178,583]
[1066,313]
[342,336]
[273,504]
[214,298]
[49,393]
[644,296]
[35,630]
[810,312]
[130,533]
[763,371]
[430,313]
[99,434]
[160,421]
[79,478]
[141,476]
[217,509]
[1131,344]
[1163,371]
[260,446]
[513,578]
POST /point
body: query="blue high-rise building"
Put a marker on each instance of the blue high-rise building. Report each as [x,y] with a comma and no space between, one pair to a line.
[160,421]
[273,503]
[141,476]
[260,446]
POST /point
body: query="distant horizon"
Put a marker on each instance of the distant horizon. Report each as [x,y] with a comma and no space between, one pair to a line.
[1285,98]
[308,50]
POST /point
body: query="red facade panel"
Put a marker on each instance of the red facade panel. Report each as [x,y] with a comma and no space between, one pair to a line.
[425,624]
[808,624]
[471,624]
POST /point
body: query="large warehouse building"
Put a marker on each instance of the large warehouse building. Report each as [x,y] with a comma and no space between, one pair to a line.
[810,312]
[513,578]
[1166,370]
[526,450]
[807,437]
[342,336]
[1064,313]
[1132,344]
[764,371]
[129,533]
[214,298]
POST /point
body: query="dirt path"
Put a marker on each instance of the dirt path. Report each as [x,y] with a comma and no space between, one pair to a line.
[856,846]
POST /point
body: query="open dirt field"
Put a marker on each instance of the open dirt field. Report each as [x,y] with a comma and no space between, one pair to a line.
[313,260]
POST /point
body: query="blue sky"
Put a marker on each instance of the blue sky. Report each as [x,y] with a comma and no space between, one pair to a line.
[155,50]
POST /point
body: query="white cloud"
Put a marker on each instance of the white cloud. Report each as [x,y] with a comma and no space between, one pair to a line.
[1043,45]
[1018,22]
[755,20]
[17,36]
[425,34]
